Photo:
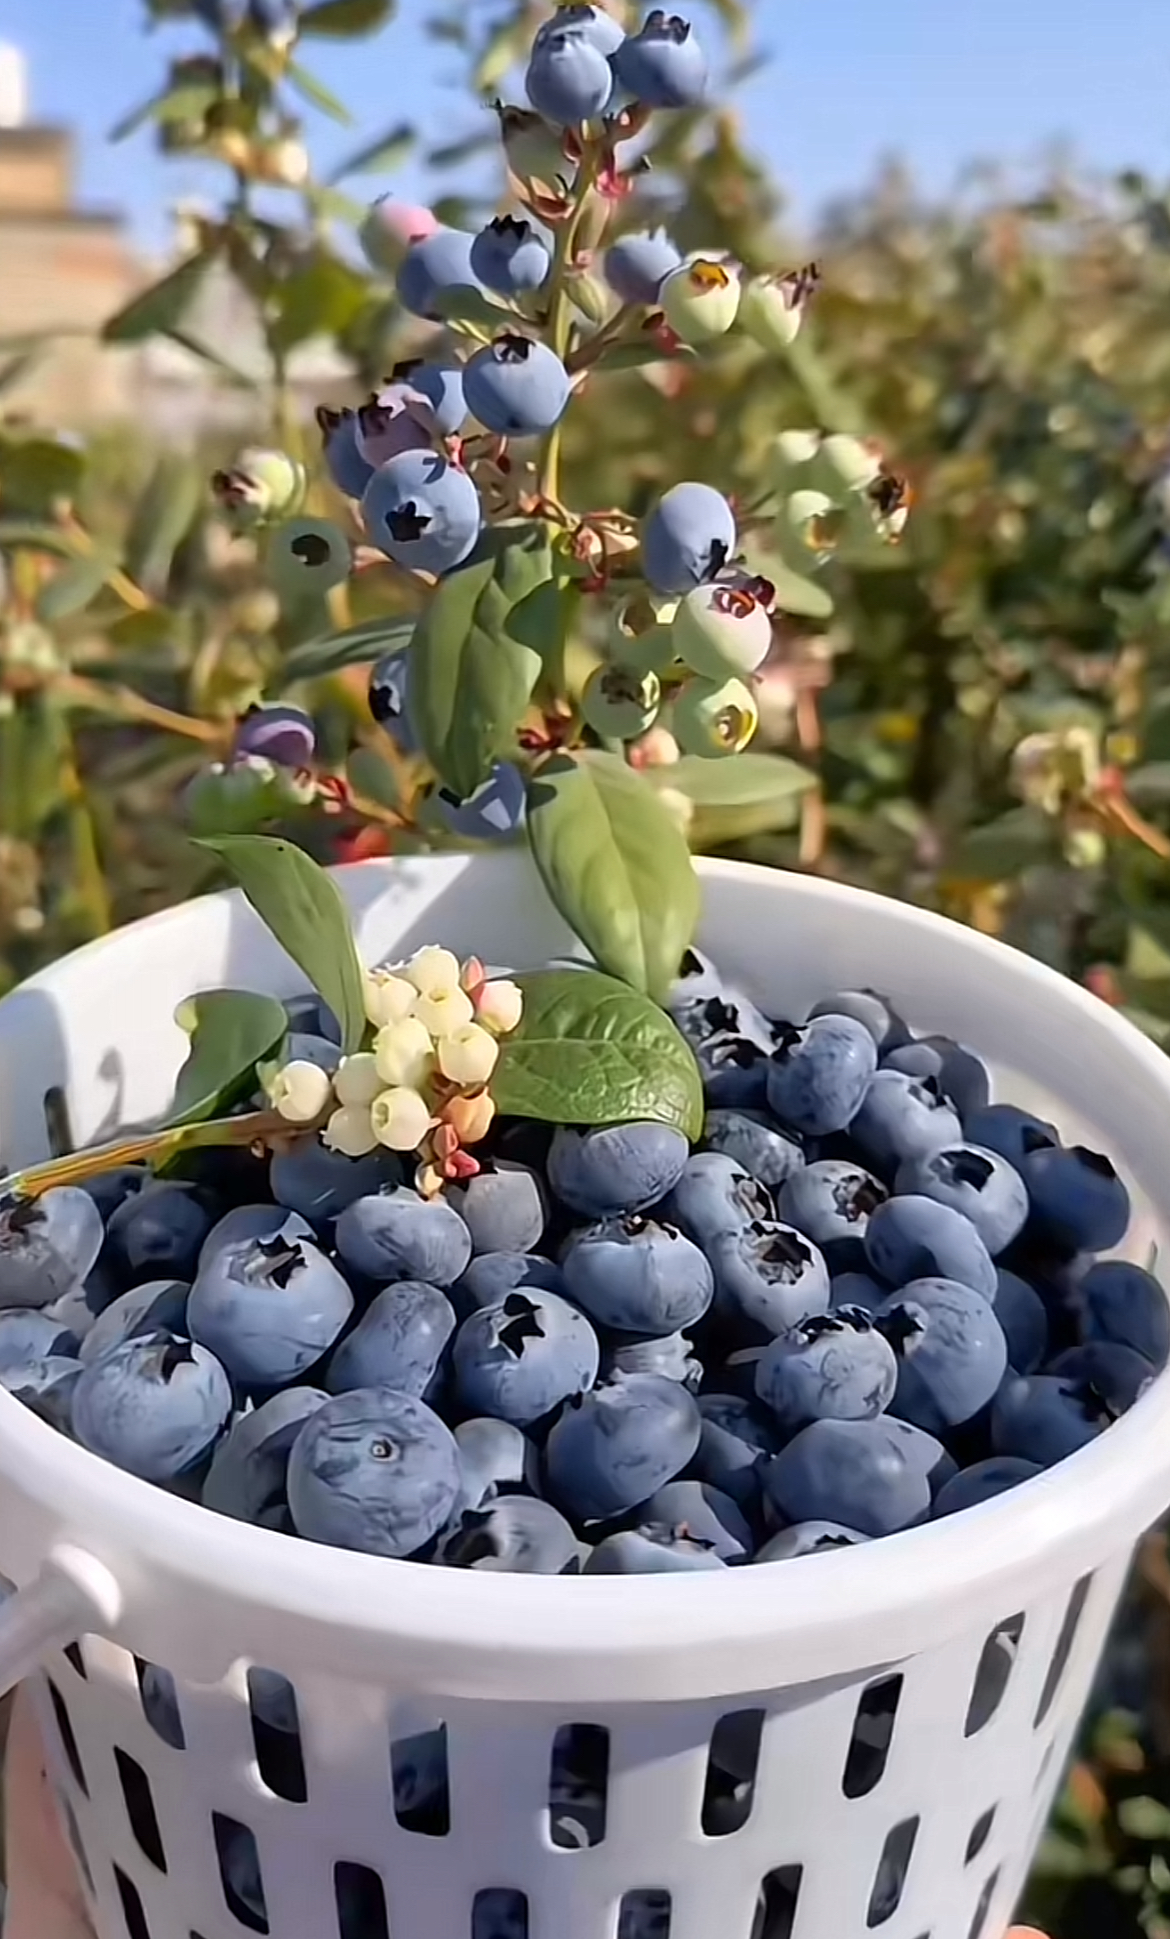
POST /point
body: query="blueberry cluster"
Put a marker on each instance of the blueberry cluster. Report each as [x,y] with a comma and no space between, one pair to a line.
[869,1297]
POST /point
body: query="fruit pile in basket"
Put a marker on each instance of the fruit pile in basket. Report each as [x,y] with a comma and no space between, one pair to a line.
[811,1287]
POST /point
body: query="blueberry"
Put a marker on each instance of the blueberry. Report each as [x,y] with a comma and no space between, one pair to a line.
[319,1183]
[809,1538]
[248,1475]
[636,266]
[27,1335]
[917,1238]
[734,1442]
[652,1550]
[768,1276]
[569,79]
[442,386]
[490,1275]
[1120,1302]
[638,1276]
[663,65]
[158,1306]
[770,1154]
[734,1071]
[705,1514]
[495,1458]
[614,1447]
[1044,1418]
[834,1367]
[516,386]
[975,1181]
[1024,1318]
[615,1168]
[1009,1131]
[388,695]
[951,1352]
[373,1470]
[521,1356]
[960,1075]
[509,256]
[47,1244]
[432,267]
[903,1117]
[269,1309]
[422,512]
[277,732]
[514,1535]
[856,1289]
[715,1196]
[1078,1201]
[398,1342]
[246,1222]
[866,1007]
[862,1474]
[304,1047]
[592,23]
[830,1201]
[1119,1374]
[688,538]
[708,1008]
[982,1482]
[398,1234]
[47,1387]
[153,1406]
[108,1188]
[349,470]
[310,1013]
[159,1233]
[819,1074]
[494,811]
[673,1357]
[502,1207]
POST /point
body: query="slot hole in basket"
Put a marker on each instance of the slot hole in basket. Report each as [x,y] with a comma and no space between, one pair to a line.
[68,1740]
[996,1663]
[984,1906]
[732,1762]
[76,1661]
[775,1913]
[276,1734]
[644,1915]
[1063,1650]
[361,1903]
[981,1832]
[239,1872]
[499,1913]
[873,1733]
[140,1809]
[58,1128]
[132,1911]
[890,1880]
[418,1773]
[73,1830]
[160,1703]
[578,1783]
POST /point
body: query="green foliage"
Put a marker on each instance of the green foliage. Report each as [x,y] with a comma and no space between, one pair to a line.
[231,1031]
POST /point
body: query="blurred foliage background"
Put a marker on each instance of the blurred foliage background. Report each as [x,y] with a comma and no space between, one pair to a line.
[985,713]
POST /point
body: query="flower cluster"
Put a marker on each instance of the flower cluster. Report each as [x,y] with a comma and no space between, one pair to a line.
[421,1085]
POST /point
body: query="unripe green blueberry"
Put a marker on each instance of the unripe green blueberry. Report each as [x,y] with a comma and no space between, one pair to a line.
[723,628]
[640,633]
[620,703]
[259,487]
[700,300]
[307,556]
[714,717]
[244,795]
[794,459]
[808,527]
[846,464]
[772,308]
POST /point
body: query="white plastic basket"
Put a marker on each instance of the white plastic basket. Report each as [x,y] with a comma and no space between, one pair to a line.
[979,1634]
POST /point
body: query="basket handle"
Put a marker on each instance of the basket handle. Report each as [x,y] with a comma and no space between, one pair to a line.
[73,1595]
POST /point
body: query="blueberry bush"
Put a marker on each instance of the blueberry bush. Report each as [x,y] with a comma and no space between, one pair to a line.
[384,631]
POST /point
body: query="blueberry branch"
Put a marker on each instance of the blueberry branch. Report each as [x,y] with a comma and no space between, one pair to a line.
[266,1129]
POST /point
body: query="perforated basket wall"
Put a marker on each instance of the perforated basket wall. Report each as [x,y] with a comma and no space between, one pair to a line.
[868,1741]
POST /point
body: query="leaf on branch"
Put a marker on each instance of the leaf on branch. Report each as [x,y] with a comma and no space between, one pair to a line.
[312,90]
[163,516]
[320,300]
[231,1031]
[356,646]
[73,588]
[162,307]
[379,157]
[345,19]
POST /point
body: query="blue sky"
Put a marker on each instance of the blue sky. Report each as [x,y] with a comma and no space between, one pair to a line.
[940,82]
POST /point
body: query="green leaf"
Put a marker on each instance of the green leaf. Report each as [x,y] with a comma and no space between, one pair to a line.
[163,516]
[1003,847]
[1144,1818]
[17,534]
[799,594]
[1149,785]
[356,646]
[320,300]
[748,781]
[543,619]
[306,912]
[188,102]
[311,89]
[162,307]
[371,775]
[345,19]
[231,1032]
[239,379]
[71,590]
[379,157]
[37,471]
[635,356]
[589,1050]
[149,631]
[589,295]
[471,678]
[468,308]
[616,864]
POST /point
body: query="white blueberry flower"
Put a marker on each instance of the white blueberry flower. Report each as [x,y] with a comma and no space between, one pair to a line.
[357,1079]
[388,998]
[300,1091]
[350,1131]
[400,1118]
[444,1011]
[404,1053]
[499,1005]
[433,971]
[468,1055]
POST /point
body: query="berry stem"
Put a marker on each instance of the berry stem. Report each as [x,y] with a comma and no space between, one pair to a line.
[122,703]
[559,328]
